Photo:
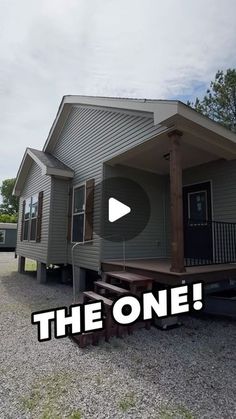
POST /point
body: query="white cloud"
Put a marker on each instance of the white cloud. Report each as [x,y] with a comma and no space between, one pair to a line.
[137,48]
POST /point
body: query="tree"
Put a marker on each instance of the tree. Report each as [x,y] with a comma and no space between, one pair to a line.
[6,218]
[219,103]
[9,204]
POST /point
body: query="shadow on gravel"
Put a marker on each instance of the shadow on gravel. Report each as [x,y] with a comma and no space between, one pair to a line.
[24,289]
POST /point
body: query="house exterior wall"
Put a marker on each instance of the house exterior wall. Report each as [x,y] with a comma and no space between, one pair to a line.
[35,183]
[89,138]
[151,242]
[222,175]
[58,229]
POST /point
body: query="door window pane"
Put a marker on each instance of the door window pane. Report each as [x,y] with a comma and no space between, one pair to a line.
[78,228]
[79,195]
[197,206]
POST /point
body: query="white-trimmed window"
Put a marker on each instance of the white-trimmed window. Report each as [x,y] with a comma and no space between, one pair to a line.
[78,213]
[30,218]
[2,236]
[33,217]
[80,218]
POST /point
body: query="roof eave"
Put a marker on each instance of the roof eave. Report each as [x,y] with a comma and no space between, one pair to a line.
[16,190]
[51,171]
[46,170]
[166,113]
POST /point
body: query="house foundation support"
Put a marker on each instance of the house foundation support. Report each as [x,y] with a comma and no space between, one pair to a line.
[176,202]
[65,274]
[79,277]
[21,264]
[41,272]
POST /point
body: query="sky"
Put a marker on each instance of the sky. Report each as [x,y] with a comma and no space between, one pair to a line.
[155,49]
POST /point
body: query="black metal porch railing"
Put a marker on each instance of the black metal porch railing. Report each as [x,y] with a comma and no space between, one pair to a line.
[209,243]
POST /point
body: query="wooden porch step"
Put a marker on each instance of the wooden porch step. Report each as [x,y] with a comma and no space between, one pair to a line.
[113,288]
[127,276]
[85,339]
[91,295]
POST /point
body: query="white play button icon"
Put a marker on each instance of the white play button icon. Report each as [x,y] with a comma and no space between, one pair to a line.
[117,210]
[125,209]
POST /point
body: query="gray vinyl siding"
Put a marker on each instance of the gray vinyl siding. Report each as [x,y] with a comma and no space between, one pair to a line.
[89,138]
[151,242]
[57,248]
[222,175]
[10,238]
[35,183]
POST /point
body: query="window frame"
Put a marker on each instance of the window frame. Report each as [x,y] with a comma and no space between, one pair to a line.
[34,218]
[4,236]
[29,220]
[77,186]
[26,219]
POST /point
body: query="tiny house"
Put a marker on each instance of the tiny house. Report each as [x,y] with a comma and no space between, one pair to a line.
[8,233]
[185,163]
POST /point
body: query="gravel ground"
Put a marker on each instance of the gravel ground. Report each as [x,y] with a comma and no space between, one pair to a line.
[187,372]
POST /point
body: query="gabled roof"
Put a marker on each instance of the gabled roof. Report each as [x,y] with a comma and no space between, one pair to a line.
[167,113]
[49,164]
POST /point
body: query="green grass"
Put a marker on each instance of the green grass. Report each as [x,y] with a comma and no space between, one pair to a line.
[30,265]
[48,414]
[75,415]
[45,394]
[31,402]
[178,412]
[127,402]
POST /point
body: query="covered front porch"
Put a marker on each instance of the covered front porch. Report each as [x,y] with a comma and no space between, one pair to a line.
[199,229]
[160,271]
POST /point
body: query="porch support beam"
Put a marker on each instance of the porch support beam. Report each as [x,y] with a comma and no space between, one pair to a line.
[176,202]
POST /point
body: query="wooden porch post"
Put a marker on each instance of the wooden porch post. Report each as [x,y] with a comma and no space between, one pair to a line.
[176,202]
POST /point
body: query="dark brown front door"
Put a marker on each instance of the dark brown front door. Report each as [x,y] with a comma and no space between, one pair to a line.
[197,222]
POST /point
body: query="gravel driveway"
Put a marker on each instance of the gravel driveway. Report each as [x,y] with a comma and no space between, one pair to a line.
[188,372]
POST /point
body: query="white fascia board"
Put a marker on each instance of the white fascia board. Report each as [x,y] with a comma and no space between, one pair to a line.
[205,122]
[142,105]
[163,112]
[36,159]
[51,171]
[16,190]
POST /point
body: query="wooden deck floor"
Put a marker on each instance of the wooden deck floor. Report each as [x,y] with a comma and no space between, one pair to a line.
[159,269]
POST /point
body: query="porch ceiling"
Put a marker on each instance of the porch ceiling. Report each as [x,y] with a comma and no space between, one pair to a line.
[152,155]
